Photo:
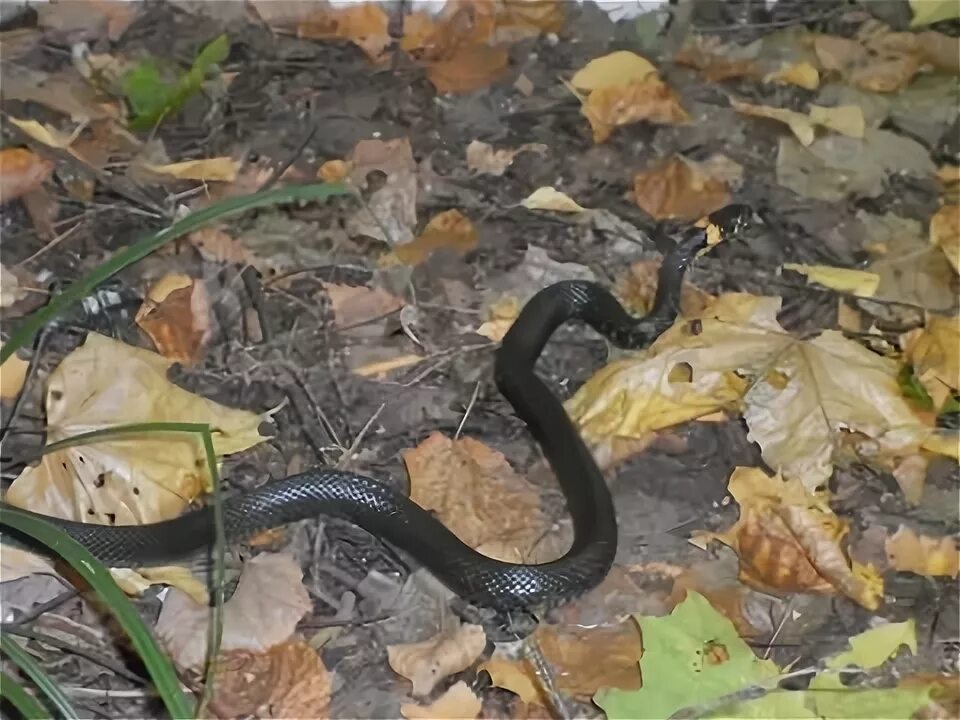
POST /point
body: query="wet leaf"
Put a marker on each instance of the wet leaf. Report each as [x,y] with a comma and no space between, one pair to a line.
[789,539]
[427,663]
[269,601]
[176,315]
[355,305]
[485,159]
[678,189]
[648,99]
[855,282]
[459,701]
[548,198]
[134,479]
[618,68]
[364,24]
[287,681]
[21,171]
[923,555]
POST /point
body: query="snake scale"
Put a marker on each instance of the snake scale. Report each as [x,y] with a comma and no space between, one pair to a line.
[391,516]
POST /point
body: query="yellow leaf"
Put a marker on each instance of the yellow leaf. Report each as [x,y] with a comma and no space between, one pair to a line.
[382,367]
[547,198]
[427,663]
[927,12]
[136,583]
[875,646]
[514,676]
[844,119]
[618,68]
[44,133]
[132,479]
[923,555]
[802,74]
[945,232]
[12,374]
[857,282]
[647,99]
[218,169]
[458,702]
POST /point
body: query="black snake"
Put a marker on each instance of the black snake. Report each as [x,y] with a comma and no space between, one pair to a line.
[391,516]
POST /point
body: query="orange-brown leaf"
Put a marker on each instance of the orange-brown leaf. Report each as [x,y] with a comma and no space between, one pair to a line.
[449,230]
[678,189]
[923,555]
[366,25]
[426,663]
[21,171]
[459,702]
[355,305]
[647,99]
[469,68]
[176,316]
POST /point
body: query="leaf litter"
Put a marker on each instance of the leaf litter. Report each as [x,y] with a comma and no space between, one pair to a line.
[457,126]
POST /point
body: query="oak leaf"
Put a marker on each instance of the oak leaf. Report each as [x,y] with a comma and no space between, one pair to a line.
[427,663]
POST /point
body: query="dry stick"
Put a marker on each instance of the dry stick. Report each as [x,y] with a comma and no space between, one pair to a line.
[31,371]
[466,413]
[344,460]
[50,245]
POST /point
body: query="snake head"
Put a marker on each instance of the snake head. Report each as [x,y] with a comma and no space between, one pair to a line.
[734,219]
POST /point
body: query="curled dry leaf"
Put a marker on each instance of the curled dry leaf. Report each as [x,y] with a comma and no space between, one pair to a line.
[133,479]
[945,232]
[789,539]
[678,189]
[355,305]
[21,172]
[287,681]
[548,198]
[176,316]
[648,99]
[797,395]
[855,282]
[364,24]
[427,663]
[485,159]
[476,494]
[269,601]
[923,555]
[459,702]
[450,230]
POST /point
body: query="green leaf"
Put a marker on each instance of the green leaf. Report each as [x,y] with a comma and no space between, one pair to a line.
[692,656]
[912,388]
[23,701]
[927,12]
[875,646]
[834,701]
[31,668]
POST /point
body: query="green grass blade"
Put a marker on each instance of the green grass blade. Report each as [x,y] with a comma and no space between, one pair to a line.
[23,701]
[139,250]
[157,663]
[31,668]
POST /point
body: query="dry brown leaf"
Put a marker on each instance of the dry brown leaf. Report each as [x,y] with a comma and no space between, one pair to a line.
[548,198]
[366,25]
[216,245]
[638,288]
[176,315]
[518,20]
[476,494]
[77,20]
[66,92]
[678,189]
[21,171]
[10,290]
[648,99]
[789,540]
[716,60]
[269,601]
[133,479]
[923,555]
[722,590]
[218,169]
[911,475]
[470,68]
[13,372]
[287,681]
[15,44]
[934,352]
[427,663]
[458,702]
[381,368]
[844,119]
[391,211]
[459,24]
[945,232]
[485,159]
[355,305]
[450,230]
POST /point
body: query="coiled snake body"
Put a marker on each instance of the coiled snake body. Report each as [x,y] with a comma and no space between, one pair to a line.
[390,515]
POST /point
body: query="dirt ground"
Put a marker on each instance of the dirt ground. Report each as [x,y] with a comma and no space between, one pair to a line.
[297,103]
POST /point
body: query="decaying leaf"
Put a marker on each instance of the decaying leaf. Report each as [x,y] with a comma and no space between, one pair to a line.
[476,494]
[134,479]
[21,171]
[391,211]
[288,680]
[10,290]
[459,702]
[855,282]
[789,539]
[450,230]
[355,304]
[176,315]
[548,198]
[923,555]
[797,395]
[678,189]
[648,99]
[618,68]
[427,663]
[364,24]
[484,158]
[945,232]
[269,601]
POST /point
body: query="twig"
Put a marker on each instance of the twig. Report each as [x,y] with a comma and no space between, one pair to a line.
[31,371]
[344,460]
[466,413]
[280,169]
[53,243]
[35,612]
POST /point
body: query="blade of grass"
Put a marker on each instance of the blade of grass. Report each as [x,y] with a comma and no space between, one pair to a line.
[139,250]
[27,704]
[90,569]
[31,668]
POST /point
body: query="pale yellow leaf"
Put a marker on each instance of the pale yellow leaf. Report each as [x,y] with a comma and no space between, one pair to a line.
[13,372]
[927,12]
[844,119]
[923,555]
[10,290]
[218,169]
[934,352]
[484,158]
[16,563]
[548,198]
[945,232]
[802,74]
[427,663]
[44,133]
[618,68]
[383,367]
[857,282]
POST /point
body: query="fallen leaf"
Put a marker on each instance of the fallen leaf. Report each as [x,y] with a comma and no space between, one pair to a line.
[485,159]
[427,663]
[13,373]
[789,539]
[269,601]
[10,290]
[720,585]
[364,24]
[911,475]
[923,555]
[459,24]
[333,171]
[719,61]
[218,169]
[391,211]
[927,12]
[450,230]
[797,395]
[515,676]
[459,701]
[16,563]
[176,315]
[500,317]
[134,479]
[945,232]
[355,305]
[135,583]
[78,20]
[618,68]
[934,353]
[846,119]
[678,189]
[383,367]
[478,496]
[65,92]
[18,43]
[638,288]
[855,282]
[548,198]
[648,99]
[21,171]
[44,133]
[287,681]
[470,68]
[801,74]
[518,20]
[216,245]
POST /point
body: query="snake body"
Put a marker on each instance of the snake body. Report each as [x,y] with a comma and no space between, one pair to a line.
[390,515]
